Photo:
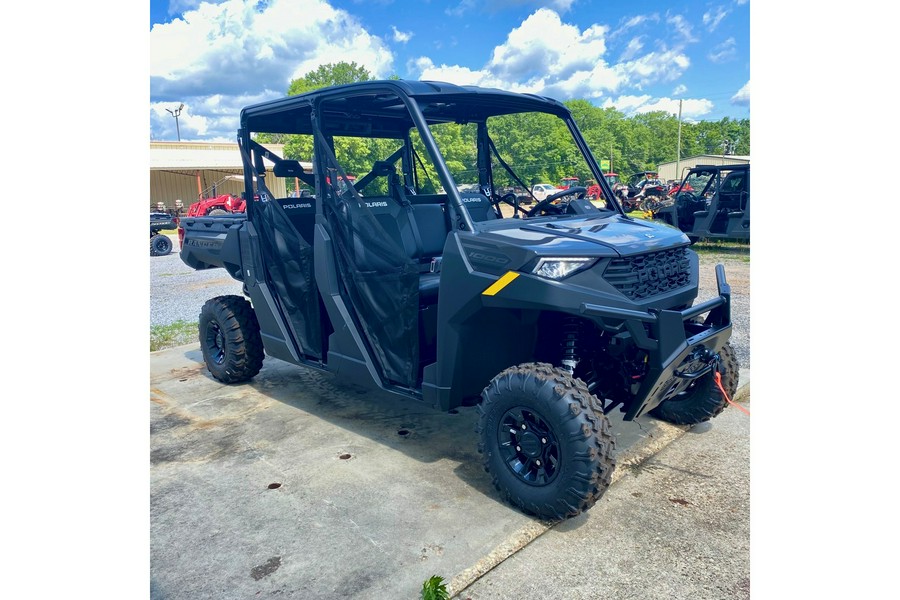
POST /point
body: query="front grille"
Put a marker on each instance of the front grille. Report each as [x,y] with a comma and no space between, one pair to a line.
[646,275]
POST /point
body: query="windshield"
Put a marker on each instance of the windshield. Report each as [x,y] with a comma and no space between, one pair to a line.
[701,183]
[511,167]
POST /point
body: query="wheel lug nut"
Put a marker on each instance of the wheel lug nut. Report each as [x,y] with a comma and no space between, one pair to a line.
[537,462]
[518,448]
[543,440]
[523,426]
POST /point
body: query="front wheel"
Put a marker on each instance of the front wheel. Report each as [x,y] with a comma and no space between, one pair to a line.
[703,400]
[160,245]
[547,449]
[230,340]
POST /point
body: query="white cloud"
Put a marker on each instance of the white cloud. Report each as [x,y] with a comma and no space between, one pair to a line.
[633,22]
[724,52]
[632,49]
[712,18]
[681,26]
[655,67]
[742,97]
[679,89]
[543,55]
[241,47]
[627,104]
[546,56]
[631,105]
[401,36]
[543,44]
[465,7]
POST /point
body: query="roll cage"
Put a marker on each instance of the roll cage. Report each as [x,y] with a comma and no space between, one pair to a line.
[392,110]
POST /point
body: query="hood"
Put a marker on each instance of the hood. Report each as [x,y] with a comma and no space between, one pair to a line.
[614,235]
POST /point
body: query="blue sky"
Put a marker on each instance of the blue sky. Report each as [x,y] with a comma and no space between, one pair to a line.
[216,57]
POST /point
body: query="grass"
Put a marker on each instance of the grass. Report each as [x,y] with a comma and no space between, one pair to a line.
[722,247]
[435,589]
[175,334]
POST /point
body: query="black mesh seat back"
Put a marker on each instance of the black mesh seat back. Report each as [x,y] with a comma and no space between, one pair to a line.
[398,224]
[432,226]
[386,212]
[479,207]
[302,214]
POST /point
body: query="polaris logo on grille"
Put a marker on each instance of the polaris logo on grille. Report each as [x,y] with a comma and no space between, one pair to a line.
[657,273]
[375,204]
[305,205]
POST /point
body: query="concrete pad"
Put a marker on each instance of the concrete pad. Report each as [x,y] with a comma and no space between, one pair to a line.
[297,484]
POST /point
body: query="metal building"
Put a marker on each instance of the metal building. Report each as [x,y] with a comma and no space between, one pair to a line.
[667,170]
[188,171]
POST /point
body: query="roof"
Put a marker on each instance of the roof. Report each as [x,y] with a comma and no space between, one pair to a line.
[199,156]
[376,108]
[719,158]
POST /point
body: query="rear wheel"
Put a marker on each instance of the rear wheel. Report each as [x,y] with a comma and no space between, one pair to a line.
[216,212]
[160,245]
[702,401]
[230,340]
[548,452]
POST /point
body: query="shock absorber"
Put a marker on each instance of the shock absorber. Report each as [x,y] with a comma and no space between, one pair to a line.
[571,329]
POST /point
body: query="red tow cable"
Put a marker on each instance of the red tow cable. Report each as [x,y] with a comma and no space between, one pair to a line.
[718,378]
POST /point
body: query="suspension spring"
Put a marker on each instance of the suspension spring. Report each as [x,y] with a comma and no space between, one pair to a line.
[571,330]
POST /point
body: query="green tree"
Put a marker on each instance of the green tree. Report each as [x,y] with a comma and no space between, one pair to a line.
[327,75]
[300,146]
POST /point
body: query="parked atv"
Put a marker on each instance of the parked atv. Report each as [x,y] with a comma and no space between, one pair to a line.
[219,205]
[640,190]
[160,244]
[713,202]
[547,320]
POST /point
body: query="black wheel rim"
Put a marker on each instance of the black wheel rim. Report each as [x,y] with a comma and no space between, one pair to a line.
[528,447]
[215,343]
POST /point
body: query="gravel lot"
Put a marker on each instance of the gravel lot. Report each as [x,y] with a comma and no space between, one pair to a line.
[177,292]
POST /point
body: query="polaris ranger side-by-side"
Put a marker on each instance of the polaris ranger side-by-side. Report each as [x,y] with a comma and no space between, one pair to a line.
[713,201]
[160,244]
[546,317]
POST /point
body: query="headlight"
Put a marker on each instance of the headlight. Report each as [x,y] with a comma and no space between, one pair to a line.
[560,268]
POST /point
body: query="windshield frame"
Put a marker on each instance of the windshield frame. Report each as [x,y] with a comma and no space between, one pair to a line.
[418,107]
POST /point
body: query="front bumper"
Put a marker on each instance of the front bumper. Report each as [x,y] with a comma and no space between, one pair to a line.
[677,347]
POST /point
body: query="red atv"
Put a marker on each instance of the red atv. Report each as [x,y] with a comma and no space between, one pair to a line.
[568,182]
[595,193]
[210,207]
[220,205]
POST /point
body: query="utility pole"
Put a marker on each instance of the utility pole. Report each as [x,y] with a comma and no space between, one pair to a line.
[678,155]
[175,113]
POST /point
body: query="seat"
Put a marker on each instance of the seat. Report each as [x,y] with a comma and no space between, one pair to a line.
[479,207]
[302,214]
[429,221]
[419,229]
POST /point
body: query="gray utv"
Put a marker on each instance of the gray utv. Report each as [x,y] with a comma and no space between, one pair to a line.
[546,317]
[712,202]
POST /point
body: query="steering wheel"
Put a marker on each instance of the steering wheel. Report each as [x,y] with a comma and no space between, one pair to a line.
[510,198]
[685,197]
[545,204]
